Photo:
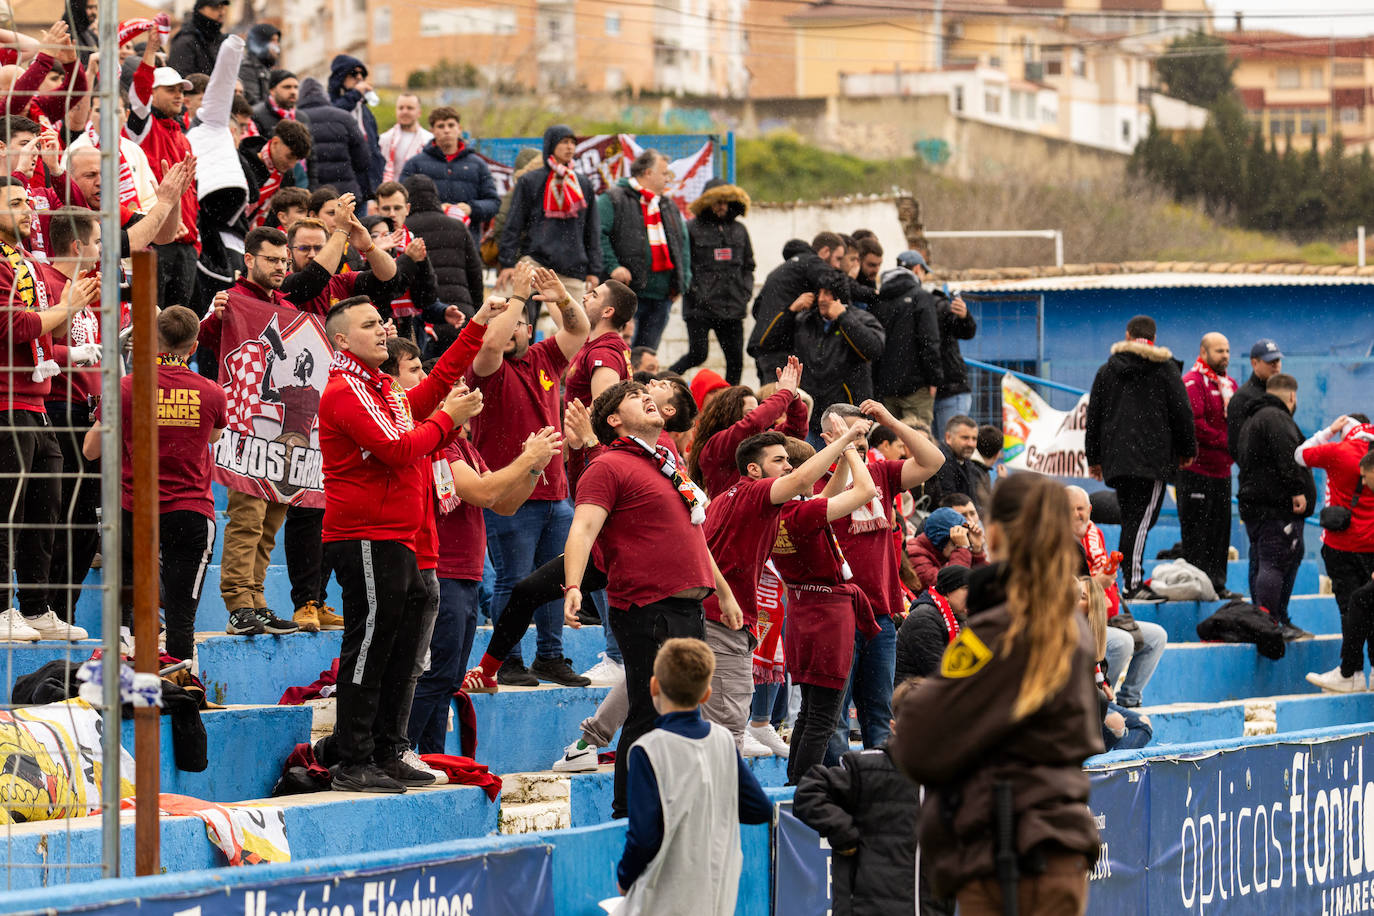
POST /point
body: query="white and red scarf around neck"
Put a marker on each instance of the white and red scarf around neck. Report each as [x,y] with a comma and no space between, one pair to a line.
[653,225]
[692,495]
[1225,384]
[942,605]
[563,197]
[258,214]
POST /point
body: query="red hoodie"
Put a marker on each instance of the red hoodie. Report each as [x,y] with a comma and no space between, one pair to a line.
[1209,422]
[1341,461]
[161,139]
[377,471]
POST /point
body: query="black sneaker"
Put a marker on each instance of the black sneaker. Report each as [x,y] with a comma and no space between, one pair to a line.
[1291,633]
[244,622]
[513,673]
[405,774]
[1225,594]
[273,624]
[588,617]
[364,777]
[559,671]
[1143,595]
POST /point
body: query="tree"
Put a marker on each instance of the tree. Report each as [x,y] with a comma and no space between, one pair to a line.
[1196,68]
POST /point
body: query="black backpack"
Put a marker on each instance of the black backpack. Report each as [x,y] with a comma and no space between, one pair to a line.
[1238,621]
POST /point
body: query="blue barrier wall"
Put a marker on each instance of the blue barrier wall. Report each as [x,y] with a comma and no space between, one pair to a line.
[1325,333]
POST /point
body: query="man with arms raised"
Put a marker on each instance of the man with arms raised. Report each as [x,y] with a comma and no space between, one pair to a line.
[636,504]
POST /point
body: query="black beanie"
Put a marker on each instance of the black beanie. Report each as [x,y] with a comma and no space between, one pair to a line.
[951,579]
[276,76]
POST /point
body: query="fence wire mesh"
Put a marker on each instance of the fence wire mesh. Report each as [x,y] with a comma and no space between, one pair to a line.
[61,277]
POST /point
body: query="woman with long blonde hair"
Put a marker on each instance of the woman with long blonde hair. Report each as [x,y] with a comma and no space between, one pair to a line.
[999,737]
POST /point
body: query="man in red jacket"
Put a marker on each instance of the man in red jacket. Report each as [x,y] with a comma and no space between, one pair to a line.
[378,474]
[1204,487]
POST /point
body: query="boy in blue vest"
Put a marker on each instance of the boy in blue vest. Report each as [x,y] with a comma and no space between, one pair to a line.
[687,791]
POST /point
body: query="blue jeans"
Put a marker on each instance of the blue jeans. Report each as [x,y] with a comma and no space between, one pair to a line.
[603,609]
[485,587]
[1138,731]
[1276,549]
[870,690]
[650,319]
[518,545]
[1121,652]
[765,698]
[947,408]
[449,648]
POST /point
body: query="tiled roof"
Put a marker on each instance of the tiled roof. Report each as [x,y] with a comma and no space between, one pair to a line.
[1155,275]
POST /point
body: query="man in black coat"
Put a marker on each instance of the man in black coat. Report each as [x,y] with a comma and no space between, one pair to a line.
[460,176]
[1139,433]
[722,277]
[836,345]
[452,252]
[1276,494]
[255,73]
[283,89]
[960,473]
[340,157]
[928,629]
[1266,361]
[350,92]
[787,292]
[910,369]
[196,44]
[565,238]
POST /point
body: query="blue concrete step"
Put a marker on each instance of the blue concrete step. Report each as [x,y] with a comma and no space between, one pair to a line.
[1162,537]
[1208,672]
[257,669]
[525,729]
[591,793]
[318,826]
[1315,613]
[1308,581]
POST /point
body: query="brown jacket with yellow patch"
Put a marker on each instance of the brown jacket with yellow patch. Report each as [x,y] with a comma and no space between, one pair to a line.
[955,734]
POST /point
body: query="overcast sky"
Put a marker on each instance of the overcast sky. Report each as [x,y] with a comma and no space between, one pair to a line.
[1320,17]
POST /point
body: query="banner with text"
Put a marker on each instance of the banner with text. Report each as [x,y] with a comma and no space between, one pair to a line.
[513,882]
[274,363]
[606,158]
[1039,438]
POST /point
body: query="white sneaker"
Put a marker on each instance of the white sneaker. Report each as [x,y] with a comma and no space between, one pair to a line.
[605,673]
[412,759]
[769,738]
[14,628]
[50,627]
[1332,681]
[753,747]
[575,760]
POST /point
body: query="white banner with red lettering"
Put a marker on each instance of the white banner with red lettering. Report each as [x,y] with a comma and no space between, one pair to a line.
[606,158]
[1036,437]
[275,362]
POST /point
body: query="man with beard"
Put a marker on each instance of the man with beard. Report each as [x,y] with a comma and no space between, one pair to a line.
[959,473]
[1204,487]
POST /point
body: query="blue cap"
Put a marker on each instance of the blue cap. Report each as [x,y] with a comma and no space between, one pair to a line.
[910,259]
[938,524]
[1266,350]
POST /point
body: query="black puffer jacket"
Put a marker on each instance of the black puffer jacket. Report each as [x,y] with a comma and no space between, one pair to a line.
[866,805]
[256,70]
[465,180]
[837,357]
[1239,409]
[571,247]
[1140,423]
[922,640]
[722,257]
[1269,477]
[338,151]
[910,317]
[195,45]
[952,330]
[770,342]
[451,252]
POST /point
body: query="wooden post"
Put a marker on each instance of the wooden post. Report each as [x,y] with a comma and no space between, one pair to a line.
[146,518]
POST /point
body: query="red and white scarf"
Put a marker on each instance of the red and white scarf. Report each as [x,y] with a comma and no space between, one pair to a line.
[693,495]
[287,114]
[398,420]
[1225,384]
[257,215]
[942,605]
[128,191]
[653,224]
[563,197]
[402,306]
[768,655]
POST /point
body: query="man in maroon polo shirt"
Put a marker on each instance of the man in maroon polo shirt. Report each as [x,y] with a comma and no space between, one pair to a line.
[866,539]
[519,381]
[647,519]
[741,526]
[192,412]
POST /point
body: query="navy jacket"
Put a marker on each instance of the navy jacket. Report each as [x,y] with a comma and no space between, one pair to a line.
[338,153]
[465,180]
[571,247]
[348,100]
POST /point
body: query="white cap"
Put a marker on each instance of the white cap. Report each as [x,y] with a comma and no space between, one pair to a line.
[166,76]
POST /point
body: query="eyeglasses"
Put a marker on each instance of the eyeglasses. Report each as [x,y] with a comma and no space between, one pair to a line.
[273,262]
[309,249]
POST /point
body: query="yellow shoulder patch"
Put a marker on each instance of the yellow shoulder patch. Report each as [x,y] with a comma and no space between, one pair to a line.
[966,656]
